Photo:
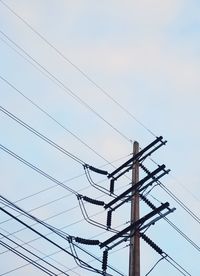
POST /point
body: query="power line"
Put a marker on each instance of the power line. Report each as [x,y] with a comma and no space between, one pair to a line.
[185,188]
[68,90]
[195,217]
[34,255]
[183,234]
[37,169]
[16,252]
[78,69]
[51,117]
[177,266]
[41,136]
[177,229]
[179,182]
[47,239]
[45,175]
[65,196]
[66,226]
[154,266]
[39,251]
[53,144]
[177,200]
[56,121]
[56,231]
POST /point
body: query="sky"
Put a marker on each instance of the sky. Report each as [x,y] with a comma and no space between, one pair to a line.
[140,55]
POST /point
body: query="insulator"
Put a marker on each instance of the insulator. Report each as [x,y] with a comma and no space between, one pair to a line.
[97,170]
[87,241]
[93,201]
[109,218]
[145,169]
[112,181]
[151,243]
[151,205]
[105,260]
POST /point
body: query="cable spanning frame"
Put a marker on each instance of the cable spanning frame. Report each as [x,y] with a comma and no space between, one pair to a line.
[178,201]
[78,69]
[47,239]
[34,255]
[41,136]
[53,229]
[67,89]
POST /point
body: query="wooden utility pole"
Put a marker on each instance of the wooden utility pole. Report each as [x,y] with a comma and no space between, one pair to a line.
[134,253]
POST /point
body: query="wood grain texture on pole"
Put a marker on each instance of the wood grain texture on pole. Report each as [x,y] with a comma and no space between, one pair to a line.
[134,253]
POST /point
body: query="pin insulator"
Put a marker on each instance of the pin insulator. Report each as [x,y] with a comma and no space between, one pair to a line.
[105,260]
[151,243]
[109,218]
[93,201]
[112,181]
[87,241]
[98,170]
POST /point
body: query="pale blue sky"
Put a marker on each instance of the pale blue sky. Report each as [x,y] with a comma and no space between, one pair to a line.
[145,55]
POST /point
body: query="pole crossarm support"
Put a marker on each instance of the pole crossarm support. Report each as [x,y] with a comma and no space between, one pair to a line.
[137,156]
[140,189]
[134,225]
[154,179]
[134,187]
[152,222]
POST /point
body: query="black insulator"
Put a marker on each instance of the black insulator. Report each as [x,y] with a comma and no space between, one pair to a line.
[93,201]
[87,241]
[151,205]
[105,260]
[145,169]
[151,243]
[112,181]
[98,170]
[109,218]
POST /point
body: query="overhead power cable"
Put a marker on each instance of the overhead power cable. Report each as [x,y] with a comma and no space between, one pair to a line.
[77,68]
[54,180]
[61,149]
[37,169]
[52,118]
[177,200]
[180,203]
[39,251]
[34,255]
[47,239]
[60,198]
[68,90]
[56,231]
[179,183]
[154,266]
[26,258]
[165,256]
[57,122]
[152,206]
[43,137]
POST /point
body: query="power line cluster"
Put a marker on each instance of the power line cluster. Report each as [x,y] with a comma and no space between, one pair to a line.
[112,206]
[116,200]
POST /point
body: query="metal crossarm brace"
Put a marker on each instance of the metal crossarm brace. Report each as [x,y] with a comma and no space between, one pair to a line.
[136,186]
[136,156]
[152,222]
[155,179]
[140,189]
[135,224]
[139,160]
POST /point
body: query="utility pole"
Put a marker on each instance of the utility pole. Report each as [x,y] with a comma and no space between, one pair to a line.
[134,253]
